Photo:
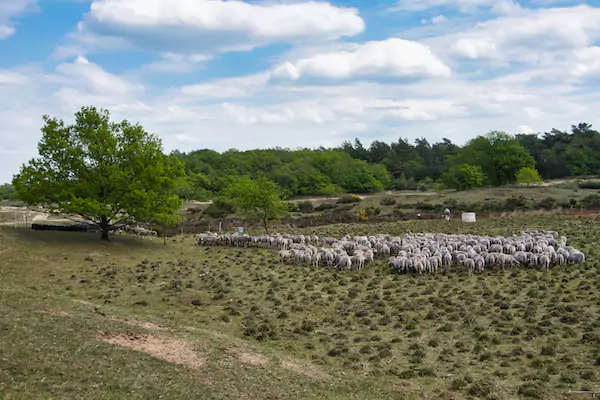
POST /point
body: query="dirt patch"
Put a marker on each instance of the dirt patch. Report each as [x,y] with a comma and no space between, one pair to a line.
[134,322]
[87,303]
[252,359]
[56,313]
[176,351]
[308,370]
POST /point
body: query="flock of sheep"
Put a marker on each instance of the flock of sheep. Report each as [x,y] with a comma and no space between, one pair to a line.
[418,253]
[138,231]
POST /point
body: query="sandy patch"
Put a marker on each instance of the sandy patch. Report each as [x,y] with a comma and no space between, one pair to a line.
[176,351]
[56,313]
[87,303]
[134,322]
[308,370]
[252,359]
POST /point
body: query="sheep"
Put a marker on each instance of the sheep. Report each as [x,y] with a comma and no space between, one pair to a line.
[345,262]
[421,253]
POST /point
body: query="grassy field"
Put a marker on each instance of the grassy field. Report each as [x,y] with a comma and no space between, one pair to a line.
[559,190]
[135,319]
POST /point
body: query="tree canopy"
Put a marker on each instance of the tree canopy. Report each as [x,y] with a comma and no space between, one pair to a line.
[259,199]
[8,192]
[354,167]
[464,177]
[499,155]
[528,176]
[106,172]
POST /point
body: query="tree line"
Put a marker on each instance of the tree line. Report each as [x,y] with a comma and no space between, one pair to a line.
[493,159]
[111,173]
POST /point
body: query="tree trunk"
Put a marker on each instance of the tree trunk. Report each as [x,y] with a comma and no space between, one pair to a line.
[266,222]
[104,228]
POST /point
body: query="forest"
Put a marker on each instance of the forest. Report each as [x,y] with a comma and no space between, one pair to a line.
[493,159]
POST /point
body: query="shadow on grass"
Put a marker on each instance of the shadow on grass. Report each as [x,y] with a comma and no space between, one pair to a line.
[28,235]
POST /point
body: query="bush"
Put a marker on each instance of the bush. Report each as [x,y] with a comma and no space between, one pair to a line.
[517,203]
[426,206]
[292,207]
[531,390]
[305,207]
[349,198]
[371,211]
[548,203]
[589,185]
[481,389]
[591,201]
[388,201]
[324,206]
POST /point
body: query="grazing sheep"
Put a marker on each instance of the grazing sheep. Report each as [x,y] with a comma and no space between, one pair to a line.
[413,253]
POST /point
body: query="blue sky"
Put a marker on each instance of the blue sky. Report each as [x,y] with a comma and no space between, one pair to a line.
[246,74]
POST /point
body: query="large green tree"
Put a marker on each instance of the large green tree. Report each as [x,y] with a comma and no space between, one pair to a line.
[499,155]
[463,177]
[105,172]
[258,198]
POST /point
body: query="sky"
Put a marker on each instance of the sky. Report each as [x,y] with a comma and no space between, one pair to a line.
[295,73]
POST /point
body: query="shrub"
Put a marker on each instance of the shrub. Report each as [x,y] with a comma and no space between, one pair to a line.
[458,384]
[407,374]
[591,201]
[292,207]
[371,211]
[387,201]
[426,206]
[548,203]
[349,198]
[517,203]
[531,390]
[324,206]
[589,185]
[305,207]
[481,389]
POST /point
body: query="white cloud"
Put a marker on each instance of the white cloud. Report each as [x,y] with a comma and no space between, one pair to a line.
[173,63]
[10,9]
[204,26]
[84,76]
[12,78]
[224,88]
[388,58]
[525,71]
[525,129]
[586,62]
[464,6]
[534,36]
[440,19]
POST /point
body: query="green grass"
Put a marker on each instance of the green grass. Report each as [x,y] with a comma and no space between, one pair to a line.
[364,335]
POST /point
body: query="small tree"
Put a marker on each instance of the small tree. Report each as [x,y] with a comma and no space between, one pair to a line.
[103,171]
[219,209]
[259,199]
[528,176]
[166,220]
[463,177]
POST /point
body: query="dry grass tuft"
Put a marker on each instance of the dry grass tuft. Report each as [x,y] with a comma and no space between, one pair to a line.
[56,313]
